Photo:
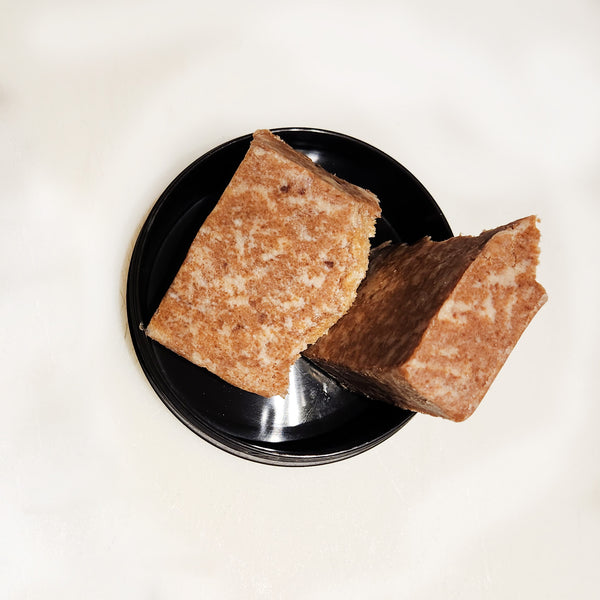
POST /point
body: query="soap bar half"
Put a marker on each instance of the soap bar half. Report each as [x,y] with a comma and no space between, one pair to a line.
[434,322]
[275,264]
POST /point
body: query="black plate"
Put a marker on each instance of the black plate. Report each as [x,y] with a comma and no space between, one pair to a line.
[317,422]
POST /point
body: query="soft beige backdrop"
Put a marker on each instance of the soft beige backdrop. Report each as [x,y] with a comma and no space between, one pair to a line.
[103,494]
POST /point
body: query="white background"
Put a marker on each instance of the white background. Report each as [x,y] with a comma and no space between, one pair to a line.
[494,106]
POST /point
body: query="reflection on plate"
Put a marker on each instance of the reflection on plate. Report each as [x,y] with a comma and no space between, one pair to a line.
[318,421]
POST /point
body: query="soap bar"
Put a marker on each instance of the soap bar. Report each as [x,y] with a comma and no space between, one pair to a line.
[434,322]
[274,265]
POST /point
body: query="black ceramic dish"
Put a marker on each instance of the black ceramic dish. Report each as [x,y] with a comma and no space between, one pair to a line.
[317,422]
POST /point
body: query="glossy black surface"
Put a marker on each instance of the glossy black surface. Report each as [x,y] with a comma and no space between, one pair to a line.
[317,422]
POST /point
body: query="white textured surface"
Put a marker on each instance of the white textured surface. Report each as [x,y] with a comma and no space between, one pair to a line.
[103,494]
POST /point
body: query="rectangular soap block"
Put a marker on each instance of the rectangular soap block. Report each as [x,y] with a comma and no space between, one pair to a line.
[275,264]
[434,322]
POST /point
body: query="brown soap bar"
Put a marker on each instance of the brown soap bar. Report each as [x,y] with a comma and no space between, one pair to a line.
[275,264]
[434,322]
